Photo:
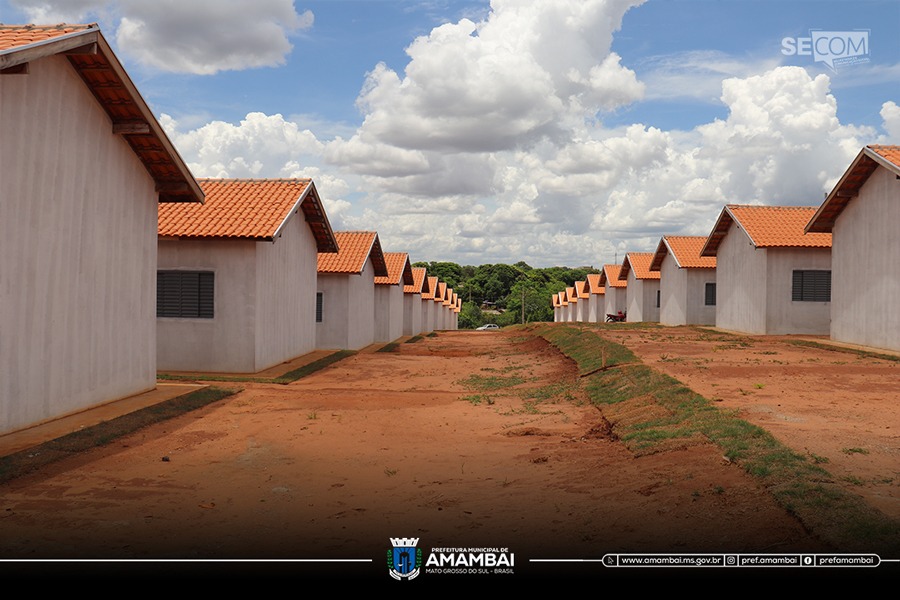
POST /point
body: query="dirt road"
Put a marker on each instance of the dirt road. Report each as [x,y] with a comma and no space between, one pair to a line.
[466,439]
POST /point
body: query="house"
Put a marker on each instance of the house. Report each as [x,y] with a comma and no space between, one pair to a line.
[582,313]
[596,299]
[440,320]
[771,276]
[560,315]
[236,276]
[389,296]
[861,213]
[429,310]
[642,291]
[615,290]
[687,281]
[571,305]
[83,167]
[345,289]
[413,305]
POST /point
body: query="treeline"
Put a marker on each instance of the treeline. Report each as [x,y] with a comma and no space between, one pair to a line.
[504,294]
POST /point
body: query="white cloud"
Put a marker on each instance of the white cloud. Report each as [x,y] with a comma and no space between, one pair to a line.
[201,37]
[890,114]
[488,147]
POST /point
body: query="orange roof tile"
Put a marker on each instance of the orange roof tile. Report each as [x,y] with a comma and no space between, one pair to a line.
[431,289]
[554,300]
[17,36]
[639,262]
[441,292]
[354,249]
[93,60]
[847,188]
[685,250]
[448,297]
[609,277]
[398,268]
[571,296]
[581,290]
[420,282]
[593,284]
[563,301]
[767,227]
[255,209]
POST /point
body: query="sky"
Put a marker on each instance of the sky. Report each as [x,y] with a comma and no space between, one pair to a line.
[558,132]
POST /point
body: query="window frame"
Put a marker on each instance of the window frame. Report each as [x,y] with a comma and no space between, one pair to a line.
[709,285]
[193,291]
[809,285]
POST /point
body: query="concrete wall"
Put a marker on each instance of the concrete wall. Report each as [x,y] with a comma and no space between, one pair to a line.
[782,314]
[741,284]
[412,314]
[595,309]
[227,342]
[640,299]
[77,252]
[614,301]
[427,315]
[698,313]
[348,310]
[286,295]
[388,312]
[865,271]
[683,295]
[673,292]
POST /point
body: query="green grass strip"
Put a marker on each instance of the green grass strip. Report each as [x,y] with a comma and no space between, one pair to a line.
[288,377]
[391,347]
[660,413]
[26,461]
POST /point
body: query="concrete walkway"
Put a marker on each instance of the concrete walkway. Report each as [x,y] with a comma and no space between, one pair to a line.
[50,430]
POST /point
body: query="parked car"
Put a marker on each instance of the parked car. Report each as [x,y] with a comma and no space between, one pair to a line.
[489,326]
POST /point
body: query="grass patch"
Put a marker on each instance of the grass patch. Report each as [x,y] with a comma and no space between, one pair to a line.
[286,378]
[652,412]
[414,339]
[484,383]
[391,347]
[854,451]
[26,461]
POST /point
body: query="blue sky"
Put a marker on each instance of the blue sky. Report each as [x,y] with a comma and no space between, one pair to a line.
[557,132]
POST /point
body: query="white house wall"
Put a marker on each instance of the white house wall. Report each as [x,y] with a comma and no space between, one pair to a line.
[348,310]
[388,312]
[615,301]
[225,343]
[784,315]
[865,275]
[412,314]
[427,315]
[641,299]
[286,295]
[673,283]
[741,284]
[698,313]
[78,255]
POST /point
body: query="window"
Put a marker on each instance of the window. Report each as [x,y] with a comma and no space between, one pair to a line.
[185,294]
[811,286]
[710,294]
[657,298]
[319,302]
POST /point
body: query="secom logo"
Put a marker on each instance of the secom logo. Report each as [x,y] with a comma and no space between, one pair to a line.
[834,48]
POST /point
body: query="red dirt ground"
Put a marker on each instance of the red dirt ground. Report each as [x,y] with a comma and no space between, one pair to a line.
[840,407]
[385,445]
